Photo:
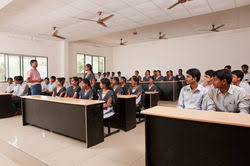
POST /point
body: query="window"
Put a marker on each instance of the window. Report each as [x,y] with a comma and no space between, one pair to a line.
[97,62]
[15,65]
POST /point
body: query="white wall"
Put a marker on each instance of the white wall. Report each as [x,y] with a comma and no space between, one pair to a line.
[209,51]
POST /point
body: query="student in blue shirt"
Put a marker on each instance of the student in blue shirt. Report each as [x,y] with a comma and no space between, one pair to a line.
[59,90]
[124,86]
[170,76]
[155,74]
[74,89]
[180,76]
[137,75]
[147,76]
[151,86]
[136,89]
[158,76]
[116,86]
[89,75]
[86,92]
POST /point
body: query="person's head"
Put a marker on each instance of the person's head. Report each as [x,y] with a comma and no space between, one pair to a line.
[99,74]
[52,79]
[33,63]
[237,77]
[193,76]
[88,67]
[222,78]
[151,80]
[46,80]
[64,79]
[209,76]
[108,74]
[123,80]
[18,79]
[244,68]
[80,79]
[86,83]
[105,83]
[228,67]
[59,81]
[113,74]
[116,81]
[136,72]
[135,81]
[74,81]
[10,80]
[104,74]
[147,73]
[158,73]
[170,73]
[111,80]
[119,74]
[167,73]
[180,71]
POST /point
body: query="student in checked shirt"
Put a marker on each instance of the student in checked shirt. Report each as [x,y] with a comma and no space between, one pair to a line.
[237,77]
[10,87]
[192,95]
[225,97]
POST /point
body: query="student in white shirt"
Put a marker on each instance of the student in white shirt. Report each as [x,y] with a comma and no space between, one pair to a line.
[108,76]
[119,75]
[207,84]
[237,76]
[113,74]
[228,67]
[52,84]
[10,87]
[245,71]
[45,86]
[99,77]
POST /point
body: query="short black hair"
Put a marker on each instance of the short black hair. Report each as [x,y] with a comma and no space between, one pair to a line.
[33,61]
[9,79]
[118,72]
[228,67]
[113,72]
[239,74]
[210,73]
[116,80]
[148,71]
[180,70]
[195,73]
[61,80]
[18,78]
[151,77]
[80,79]
[108,72]
[137,71]
[155,70]
[224,74]
[106,82]
[171,71]
[124,78]
[104,73]
[245,66]
[76,79]
[46,78]
[99,73]
[136,79]
[159,71]
[53,77]
[86,81]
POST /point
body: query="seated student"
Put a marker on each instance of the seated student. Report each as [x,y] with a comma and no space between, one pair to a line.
[10,87]
[113,74]
[52,84]
[159,77]
[228,67]
[237,77]
[111,81]
[136,89]
[108,76]
[119,75]
[192,95]
[245,71]
[116,86]
[104,75]
[151,86]
[80,81]
[137,75]
[170,76]
[124,86]
[108,96]
[180,76]
[99,77]
[89,74]
[59,90]
[225,97]
[45,86]
[147,76]
[86,92]
[74,89]
[155,74]
[207,84]
[67,84]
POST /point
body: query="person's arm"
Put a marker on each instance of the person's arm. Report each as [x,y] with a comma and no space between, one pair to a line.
[28,80]
[108,103]
[75,95]
[66,95]
[243,102]
[181,99]
[93,82]
[53,94]
[138,94]
[210,102]
[61,94]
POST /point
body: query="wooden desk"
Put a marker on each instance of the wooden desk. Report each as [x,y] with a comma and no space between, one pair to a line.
[125,118]
[7,109]
[199,138]
[151,99]
[76,118]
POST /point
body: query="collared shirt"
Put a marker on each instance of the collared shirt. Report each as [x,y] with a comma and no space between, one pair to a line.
[246,87]
[52,86]
[21,89]
[33,74]
[191,100]
[207,89]
[10,88]
[98,79]
[246,77]
[235,100]
[45,87]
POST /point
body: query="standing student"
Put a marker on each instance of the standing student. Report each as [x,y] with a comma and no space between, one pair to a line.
[116,86]
[225,97]
[86,92]
[10,87]
[124,86]
[99,77]
[108,96]
[159,77]
[119,75]
[33,77]
[245,71]
[237,77]
[192,95]
[89,75]
[59,90]
[228,67]
[151,86]
[45,86]
[52,84]
[137,75]
[136,89]
[180,76]
[170,76]
[74,89]
[147,76]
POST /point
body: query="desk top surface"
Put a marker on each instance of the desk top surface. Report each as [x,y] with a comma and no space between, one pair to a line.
[225,118]
[64,100]
[151,93]
[126,96]
[4,94]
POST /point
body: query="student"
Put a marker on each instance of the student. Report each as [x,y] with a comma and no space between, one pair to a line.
[111,81]
[113,74]
[147,76]
[245,71]
[237,77]
[33,77]
[159,77]
[108,96]
[45,86]
[99,77]
[89,75]
[207,84]
[86,92]
[52,84]
[67,84]
[104,75]
[116,86]
[136,89]
[170,76]
[119,75]
[74,89]
[192,95]
[155,74]
[225,97]
[108,75]
[228,67]
[80,81]
[137,75]
[151,86]
[180,76]
[124,86]
[10,87]
[59,90]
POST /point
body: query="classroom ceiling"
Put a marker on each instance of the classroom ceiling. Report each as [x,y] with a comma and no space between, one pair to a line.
[37,17]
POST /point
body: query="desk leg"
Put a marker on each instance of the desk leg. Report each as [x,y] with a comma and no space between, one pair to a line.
[23,111]
[150,100]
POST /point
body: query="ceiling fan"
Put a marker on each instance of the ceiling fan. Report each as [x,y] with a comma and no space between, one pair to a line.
[100,20]
[214,28]
[179,2]
[123,43]
[162,36]
[55,34]
[135,32]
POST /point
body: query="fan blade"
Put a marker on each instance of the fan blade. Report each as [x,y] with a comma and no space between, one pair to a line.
[163,36]
[55,33]
[219,26]
[107,18]
[60,37]
[84,19]
[101,23]
[177,3]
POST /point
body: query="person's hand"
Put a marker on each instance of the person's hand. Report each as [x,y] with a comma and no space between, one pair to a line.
[40,80]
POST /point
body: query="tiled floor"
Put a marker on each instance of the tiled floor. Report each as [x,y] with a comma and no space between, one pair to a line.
[122,149]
